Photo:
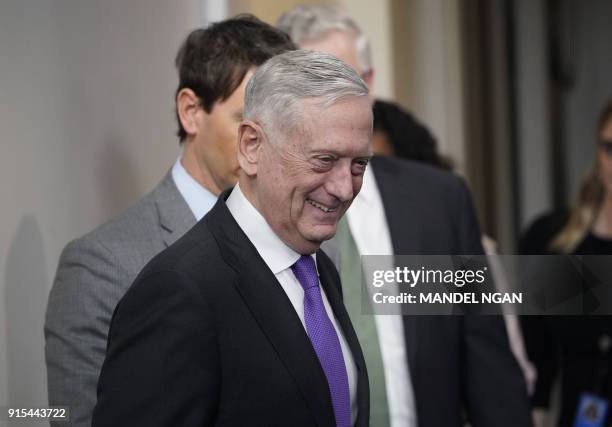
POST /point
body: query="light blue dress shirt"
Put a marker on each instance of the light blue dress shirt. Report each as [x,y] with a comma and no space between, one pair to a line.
[198,198]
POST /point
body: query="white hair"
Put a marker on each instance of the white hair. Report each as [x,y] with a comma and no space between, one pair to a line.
[307,23]
[274,94]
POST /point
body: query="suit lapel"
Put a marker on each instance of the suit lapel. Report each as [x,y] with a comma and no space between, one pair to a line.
[175,217]
[405,234]
[331,284]
[273,312]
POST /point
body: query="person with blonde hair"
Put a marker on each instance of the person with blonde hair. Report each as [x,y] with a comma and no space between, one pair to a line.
[578,347]
[591,217]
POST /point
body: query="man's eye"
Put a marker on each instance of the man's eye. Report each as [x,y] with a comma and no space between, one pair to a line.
[362,163]
[324,162]
[359,167]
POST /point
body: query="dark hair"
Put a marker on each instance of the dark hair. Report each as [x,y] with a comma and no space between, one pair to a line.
[213,61]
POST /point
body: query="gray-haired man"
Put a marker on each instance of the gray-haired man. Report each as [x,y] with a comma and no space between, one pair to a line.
[241,322]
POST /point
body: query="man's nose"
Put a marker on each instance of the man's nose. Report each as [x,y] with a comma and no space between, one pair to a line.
[340,183]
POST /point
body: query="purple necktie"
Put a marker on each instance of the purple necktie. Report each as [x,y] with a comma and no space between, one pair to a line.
[324,339]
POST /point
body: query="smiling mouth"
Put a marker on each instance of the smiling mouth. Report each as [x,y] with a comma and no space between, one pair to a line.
[321,207]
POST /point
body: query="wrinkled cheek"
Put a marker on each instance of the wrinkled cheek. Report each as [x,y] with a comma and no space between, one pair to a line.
[296,210]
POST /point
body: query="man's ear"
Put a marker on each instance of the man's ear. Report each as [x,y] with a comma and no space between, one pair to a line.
[188,106]
[250,141]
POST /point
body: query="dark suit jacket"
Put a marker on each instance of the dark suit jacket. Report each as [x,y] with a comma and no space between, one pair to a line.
[455,362]
[207,336]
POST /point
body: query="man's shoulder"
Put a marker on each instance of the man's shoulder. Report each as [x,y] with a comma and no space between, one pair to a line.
[197,247]
[195,260]
[131,225]
[139,217]
[127,241]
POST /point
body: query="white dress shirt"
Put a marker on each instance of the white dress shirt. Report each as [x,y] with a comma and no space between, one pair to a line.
[198,198]
[279,258]
[368,225]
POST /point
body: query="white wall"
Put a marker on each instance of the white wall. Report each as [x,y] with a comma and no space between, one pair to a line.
[86,127]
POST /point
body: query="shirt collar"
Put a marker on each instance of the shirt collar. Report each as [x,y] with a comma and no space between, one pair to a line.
[198,198]
[275,253]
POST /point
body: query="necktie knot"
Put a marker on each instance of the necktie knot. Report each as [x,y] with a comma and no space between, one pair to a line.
[305,271]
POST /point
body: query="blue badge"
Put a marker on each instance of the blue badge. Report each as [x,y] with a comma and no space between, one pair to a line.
[591,412]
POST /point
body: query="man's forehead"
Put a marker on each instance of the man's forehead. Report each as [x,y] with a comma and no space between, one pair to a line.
[316,122]
[340,43]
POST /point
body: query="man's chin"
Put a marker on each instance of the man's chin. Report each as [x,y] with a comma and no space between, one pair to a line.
[322,233]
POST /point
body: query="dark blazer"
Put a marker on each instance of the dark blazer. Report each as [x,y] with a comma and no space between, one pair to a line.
[207,336]
[455,362]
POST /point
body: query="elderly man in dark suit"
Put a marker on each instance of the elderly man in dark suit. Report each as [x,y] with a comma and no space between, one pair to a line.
[430,370]
[96,270]
[241,321]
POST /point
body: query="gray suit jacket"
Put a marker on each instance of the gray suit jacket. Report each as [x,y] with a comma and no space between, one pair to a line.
[94,273]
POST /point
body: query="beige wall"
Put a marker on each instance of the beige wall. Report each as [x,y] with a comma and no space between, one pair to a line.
[86,127]
[268,11]
[428,69]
